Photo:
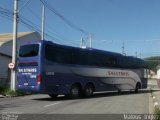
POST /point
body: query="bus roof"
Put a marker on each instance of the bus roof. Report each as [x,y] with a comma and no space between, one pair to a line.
[123,60]
[88,49]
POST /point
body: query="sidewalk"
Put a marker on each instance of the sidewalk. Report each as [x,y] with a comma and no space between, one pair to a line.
[2,96]
[154,86]
[156,98]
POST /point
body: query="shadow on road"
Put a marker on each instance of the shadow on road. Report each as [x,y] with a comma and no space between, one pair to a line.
[96,95]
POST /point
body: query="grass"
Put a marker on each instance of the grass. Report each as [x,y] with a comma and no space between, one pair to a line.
[6,91]
[2,89]
[157,113]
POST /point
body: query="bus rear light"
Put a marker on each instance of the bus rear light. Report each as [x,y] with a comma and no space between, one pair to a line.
[39,79]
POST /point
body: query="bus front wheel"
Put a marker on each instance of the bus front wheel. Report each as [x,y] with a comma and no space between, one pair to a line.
[138,86]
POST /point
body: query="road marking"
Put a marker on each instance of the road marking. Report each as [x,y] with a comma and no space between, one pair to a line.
[52,104]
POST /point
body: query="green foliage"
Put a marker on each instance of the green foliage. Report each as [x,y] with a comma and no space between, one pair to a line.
[2,89]
[153,62]
[157,113]
[8,92]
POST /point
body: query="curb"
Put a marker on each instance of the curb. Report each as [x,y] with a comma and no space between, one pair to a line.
[156,102]
[1,96]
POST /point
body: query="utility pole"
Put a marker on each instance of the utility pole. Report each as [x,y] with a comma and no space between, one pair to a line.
[123,49]
[140,55]
[136,54]
[81,42]
[14,49]
[90,40]
[43,21]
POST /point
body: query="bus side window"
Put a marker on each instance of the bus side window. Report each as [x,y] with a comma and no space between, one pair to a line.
[109,61]
[113,61]
[57,54]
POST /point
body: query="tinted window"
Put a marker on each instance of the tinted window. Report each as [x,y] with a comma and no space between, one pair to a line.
[58,54]
[29,50]
[110,61]
[87,57]
[75,56]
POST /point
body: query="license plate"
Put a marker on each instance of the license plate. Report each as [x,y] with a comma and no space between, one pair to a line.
[25,83]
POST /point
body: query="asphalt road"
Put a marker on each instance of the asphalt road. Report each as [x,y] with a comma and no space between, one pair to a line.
[104,103]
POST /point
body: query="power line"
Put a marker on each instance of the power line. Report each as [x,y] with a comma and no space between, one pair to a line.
[25,4]
[26,23]
[29,24]
[6,13]
[35,27]
[63,18]
[38,28]
[49,30]
[5,10]
[151,40]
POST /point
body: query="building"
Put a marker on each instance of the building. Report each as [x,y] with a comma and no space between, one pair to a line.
[6,41]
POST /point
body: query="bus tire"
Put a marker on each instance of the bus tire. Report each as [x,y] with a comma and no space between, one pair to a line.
[53,95]
[88,90]
[138,86]
[75,91]
[119,91]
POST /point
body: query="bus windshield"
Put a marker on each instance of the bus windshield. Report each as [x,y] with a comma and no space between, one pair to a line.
[29,50]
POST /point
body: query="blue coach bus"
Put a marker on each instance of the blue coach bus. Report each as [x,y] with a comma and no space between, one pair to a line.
[53,69]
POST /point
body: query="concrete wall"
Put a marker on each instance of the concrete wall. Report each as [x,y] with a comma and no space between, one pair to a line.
[4,71]
[158,74]
[6,48]
[1,43]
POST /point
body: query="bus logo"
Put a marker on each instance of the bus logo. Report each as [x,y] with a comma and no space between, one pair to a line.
[28,70]
[118,73]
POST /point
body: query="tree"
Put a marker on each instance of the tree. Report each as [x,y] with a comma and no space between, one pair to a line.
[153,62]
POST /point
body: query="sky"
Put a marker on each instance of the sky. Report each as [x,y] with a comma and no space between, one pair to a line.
[136,23]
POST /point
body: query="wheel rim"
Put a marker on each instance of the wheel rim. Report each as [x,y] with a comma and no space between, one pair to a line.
[75,91]
[89,91]
[138,86]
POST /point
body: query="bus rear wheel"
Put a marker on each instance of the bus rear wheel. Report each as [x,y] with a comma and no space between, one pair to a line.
[75,91]
[138,86]
[88,91]
[53,95]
